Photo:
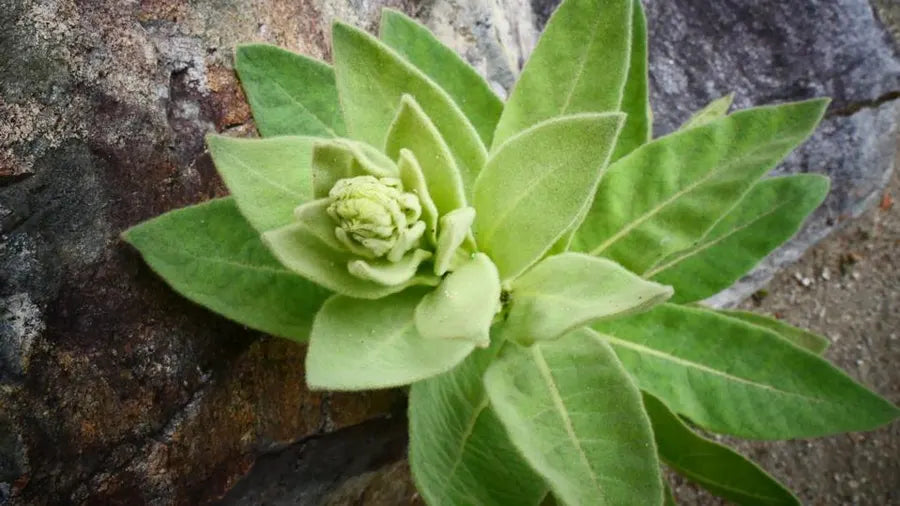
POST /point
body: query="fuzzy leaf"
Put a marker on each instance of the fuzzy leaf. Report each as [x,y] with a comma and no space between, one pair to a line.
[458,450]
[567,291]
[210,254]
[333,160]
[579,65]
[390,273]
[770,213]
[413,180]
[368,344]
[468,89]
[714,110]
[534,187]
[371,78]
[638,126]
[456,227]
[413,130]
[572,411]
[802,338]
[666,195]
[310,248]
[735,378]
[289,93]
[267,177]
[463,305]
[715,467]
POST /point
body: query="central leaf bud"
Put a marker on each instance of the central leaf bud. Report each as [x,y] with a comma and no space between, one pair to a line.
[375,217]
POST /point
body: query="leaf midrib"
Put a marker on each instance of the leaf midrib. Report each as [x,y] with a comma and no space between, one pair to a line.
[703,247]
[259,175]
[581,65]
[222,261]
[486,237]
[701,367]
[714,171]
[300,104]
[560,405]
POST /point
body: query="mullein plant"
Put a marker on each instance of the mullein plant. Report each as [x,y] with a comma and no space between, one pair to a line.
[530,268]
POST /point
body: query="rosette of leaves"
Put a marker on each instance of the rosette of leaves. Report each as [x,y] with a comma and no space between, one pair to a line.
[530,268]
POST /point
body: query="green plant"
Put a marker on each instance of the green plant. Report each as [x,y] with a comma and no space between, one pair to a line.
[512,262]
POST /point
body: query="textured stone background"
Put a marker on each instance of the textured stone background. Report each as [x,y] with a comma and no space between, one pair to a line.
[114,390]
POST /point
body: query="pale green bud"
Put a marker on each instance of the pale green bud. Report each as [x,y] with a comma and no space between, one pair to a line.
[375,217]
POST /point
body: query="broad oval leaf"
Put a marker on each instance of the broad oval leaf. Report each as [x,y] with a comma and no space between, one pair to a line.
[289,93]
[580,65]
[413,130]
[371,78]
[803,338]
[210,254]
[715,467]
[368,344]
[463,305]
[666,195]
[567,291]
[638,127]
[458,450]
[534,187]
[735,378]
[468,89]
[268,178]
[714,110]
[571,409]
[310,248]
[770,213]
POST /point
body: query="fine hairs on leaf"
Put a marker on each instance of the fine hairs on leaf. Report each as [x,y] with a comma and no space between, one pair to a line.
[530,270]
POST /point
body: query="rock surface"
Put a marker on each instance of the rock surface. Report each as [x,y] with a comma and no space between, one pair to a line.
[115,390]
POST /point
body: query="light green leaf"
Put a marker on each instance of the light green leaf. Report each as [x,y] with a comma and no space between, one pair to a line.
[732,377]
[289,93]
[310,248]
[371,78]
[768,215]
[368,344]
[715,467]
[210,254]
[267,177]
[456,227]
[533,188]
[458,450]
[413,130]
[802,338]
[468,89]
[714,110]
[567,291]
[414,181]
[579,65]
[336,159]
[388,273]
[463,305]
[572,411]
[666,195]
[638,127]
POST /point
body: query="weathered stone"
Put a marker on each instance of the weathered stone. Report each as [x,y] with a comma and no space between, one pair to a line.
[113,389]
